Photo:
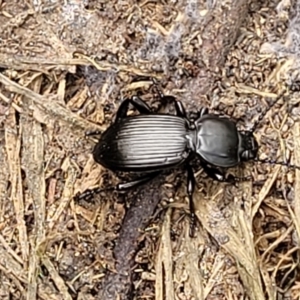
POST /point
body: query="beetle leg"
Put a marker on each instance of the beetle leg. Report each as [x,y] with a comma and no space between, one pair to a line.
[137,103]
[203,111]
[88,194]
[218,175]
[180,111]
[137,182]
[90,133]
[233,179]
[190,191]
[199,114]
[213,173]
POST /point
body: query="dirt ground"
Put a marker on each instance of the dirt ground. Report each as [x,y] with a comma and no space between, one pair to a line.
[65,67]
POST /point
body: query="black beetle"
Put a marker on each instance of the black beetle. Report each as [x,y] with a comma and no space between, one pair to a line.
[152,142]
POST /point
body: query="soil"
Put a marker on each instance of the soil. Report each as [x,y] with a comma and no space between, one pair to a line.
[65,67]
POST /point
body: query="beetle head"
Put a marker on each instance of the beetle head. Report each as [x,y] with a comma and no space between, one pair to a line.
[248,146]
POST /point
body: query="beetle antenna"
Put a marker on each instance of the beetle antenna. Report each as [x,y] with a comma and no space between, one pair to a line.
[158,90]
[263,114]
[88,194]
[279,163]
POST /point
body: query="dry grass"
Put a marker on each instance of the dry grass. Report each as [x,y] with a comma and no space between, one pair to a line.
[63,70]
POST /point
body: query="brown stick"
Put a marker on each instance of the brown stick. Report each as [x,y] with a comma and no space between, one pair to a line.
[119,284]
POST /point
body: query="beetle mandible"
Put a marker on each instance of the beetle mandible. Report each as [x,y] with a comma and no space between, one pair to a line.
[152,142]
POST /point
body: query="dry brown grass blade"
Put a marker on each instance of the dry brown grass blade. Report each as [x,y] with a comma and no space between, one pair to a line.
[159,278]
[187,265]
[164,266]
[265,191]
[61,90]
[33,163]
[33,270]
[244,89]
[296,133]
[4,177]
[67,194]
[13,145]
[243,228]
[191,264]
[136,85]
[59,282]
[42,65]
[50,105]
[188,255]
[237,241]
[215,273]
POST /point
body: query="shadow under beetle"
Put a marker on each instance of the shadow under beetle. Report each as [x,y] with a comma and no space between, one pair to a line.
[152,142]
